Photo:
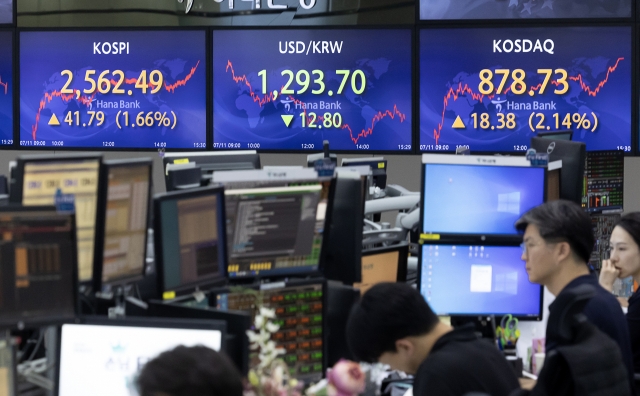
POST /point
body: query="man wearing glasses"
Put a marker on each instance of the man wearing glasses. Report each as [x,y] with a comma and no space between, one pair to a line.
[557,245]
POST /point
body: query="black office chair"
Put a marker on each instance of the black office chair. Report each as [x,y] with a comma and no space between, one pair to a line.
[585,362]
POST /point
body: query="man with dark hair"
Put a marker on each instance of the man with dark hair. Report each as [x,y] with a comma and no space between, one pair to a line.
[557,245]
[394,325]
[190,371]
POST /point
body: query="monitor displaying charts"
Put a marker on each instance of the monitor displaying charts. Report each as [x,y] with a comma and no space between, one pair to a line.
[6,85]
[523,9]
[492,89]
[292,89]
[113,89]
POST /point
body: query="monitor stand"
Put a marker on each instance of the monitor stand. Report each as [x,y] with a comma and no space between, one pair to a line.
[122,295]
[485,326]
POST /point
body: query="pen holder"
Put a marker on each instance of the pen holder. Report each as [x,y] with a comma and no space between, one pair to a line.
[510,350]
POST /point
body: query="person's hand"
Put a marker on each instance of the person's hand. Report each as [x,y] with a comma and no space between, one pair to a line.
[608,275]
[624,302]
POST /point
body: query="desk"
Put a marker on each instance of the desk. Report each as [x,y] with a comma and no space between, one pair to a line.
[527,383]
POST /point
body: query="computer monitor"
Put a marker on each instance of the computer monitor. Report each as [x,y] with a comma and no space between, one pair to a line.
[121,235]
[604,182]
[301,314]
[190,239]
[461,279]
[275,231]
[467,194]
[384,264]
[238,322]
[38,281]
[556,135]
[4,185]
[8,371]
[340,300]
[103,356]
[342,251]
[572,155]
[213,161]
[378,166]
[37,180]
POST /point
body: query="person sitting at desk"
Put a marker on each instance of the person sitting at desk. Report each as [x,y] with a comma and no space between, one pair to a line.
[394,325]
[190,371]
[557,245]
[624,245]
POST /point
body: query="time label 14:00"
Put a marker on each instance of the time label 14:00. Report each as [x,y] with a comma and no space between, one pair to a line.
[305,80]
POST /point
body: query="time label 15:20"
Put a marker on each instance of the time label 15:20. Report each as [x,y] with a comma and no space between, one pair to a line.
[105,85]
[304,79]
[518,86]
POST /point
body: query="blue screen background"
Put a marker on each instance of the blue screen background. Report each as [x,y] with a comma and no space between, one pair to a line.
[451,60]
[44,55]
[446,279]
[470,199]
[245,118]
[523,9]
[6,88]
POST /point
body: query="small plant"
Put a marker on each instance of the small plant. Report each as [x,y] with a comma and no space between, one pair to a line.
[271,376]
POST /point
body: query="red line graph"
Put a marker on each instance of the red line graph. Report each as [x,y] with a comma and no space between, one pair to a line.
[455,93]
[86,100]
[5,85]
[263,100]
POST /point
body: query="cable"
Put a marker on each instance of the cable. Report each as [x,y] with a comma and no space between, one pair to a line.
[85,300]
[35,350]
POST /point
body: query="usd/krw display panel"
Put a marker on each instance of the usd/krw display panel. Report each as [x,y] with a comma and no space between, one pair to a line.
[292,89]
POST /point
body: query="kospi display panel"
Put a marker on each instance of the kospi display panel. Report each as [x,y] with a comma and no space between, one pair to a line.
[113,89]
[493,89]
[523,9]
[292,89]
[6,86]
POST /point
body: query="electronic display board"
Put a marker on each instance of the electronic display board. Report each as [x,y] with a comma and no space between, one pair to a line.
[6,88]
[523,9]
[492,89]
[292,89]
[113,89]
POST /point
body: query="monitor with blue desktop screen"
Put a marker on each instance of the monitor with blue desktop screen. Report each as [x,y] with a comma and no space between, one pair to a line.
[478,199]
[478,280]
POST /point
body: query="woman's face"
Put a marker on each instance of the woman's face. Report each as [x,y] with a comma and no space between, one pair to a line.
[625,253]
